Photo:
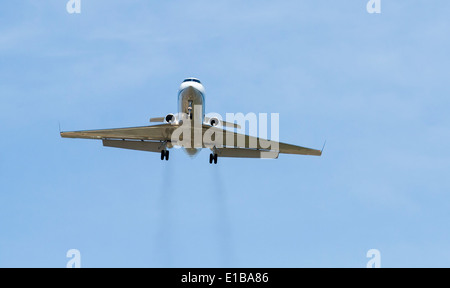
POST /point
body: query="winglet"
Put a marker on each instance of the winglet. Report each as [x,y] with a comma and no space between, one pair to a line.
[323,146]
[59,126]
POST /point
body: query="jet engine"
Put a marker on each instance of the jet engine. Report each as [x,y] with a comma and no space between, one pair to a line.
[170,118]
[214,121]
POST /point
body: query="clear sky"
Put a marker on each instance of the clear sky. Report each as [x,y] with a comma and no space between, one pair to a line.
[376,87]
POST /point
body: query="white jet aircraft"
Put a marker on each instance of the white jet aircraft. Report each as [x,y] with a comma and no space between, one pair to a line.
[192,130]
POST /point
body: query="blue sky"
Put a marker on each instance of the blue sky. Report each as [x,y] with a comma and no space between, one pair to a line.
[374,86]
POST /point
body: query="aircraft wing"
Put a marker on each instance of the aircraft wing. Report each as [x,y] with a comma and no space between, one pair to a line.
[232,144]
[161,132]
[227,143]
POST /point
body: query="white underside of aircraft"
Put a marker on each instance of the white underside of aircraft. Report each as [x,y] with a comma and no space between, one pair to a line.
[191,130]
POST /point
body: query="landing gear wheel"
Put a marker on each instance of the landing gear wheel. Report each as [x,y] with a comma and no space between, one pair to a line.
[211,158]
[165,155]
[215,158]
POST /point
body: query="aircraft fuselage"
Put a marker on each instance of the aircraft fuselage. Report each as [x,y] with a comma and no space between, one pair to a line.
[191,107]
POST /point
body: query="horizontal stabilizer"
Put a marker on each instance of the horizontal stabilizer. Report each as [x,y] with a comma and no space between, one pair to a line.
[224,123]
[158,119]
[231,125]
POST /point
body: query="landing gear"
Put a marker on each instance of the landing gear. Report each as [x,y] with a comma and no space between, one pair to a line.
[212,158]
[165,155]
[190,104]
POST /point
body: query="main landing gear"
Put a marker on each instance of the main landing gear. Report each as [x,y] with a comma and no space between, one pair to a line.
[212,158]
[165,155]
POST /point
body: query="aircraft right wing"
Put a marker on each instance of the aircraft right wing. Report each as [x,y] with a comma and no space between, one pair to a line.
[232,144]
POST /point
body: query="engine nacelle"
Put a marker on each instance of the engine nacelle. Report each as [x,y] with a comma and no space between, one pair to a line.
[170,118]
[214,121]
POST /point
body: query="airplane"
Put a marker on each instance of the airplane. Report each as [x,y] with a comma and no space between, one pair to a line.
[191,130]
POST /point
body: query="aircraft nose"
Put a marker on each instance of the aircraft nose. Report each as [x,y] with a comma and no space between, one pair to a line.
[190,90]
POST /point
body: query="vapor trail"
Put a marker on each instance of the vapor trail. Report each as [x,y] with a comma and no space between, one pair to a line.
[164,243]
[223,219]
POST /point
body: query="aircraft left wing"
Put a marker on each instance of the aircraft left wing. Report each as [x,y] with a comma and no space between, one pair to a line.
[161,132]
